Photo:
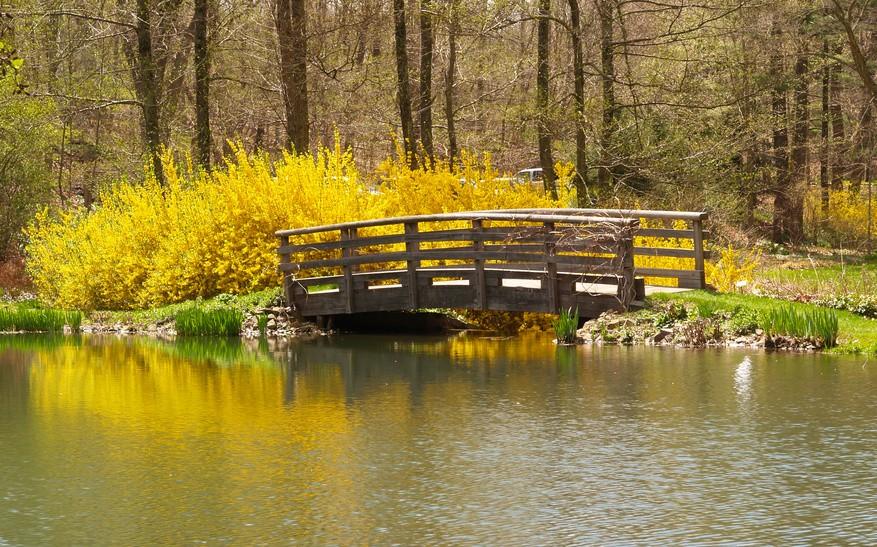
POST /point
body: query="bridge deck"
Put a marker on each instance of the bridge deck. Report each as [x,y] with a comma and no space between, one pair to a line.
[492,260]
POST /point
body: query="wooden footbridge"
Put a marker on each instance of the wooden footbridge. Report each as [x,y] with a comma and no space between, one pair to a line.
[536,260]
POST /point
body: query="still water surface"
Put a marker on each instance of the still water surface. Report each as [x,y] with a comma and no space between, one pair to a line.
[431,440]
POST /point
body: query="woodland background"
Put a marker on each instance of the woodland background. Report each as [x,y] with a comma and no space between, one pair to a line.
[756,111]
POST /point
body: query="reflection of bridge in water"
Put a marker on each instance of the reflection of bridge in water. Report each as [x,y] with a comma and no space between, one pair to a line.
[521,260]
[366,365]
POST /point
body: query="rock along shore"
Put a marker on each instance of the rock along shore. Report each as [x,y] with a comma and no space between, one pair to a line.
[279,323]
[677,325]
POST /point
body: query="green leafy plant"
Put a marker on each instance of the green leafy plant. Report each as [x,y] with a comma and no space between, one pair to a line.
[38,320]
[707,309]
[820,324]
[669,313]
[216,322]
[742,321]
[262,322]
[566,325]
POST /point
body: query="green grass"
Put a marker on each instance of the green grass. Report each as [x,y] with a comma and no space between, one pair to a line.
[196,317]
[818,278]
[146,317]
[856,334]
[262,322]
[29,319]
[566,325]
[820,275]
[814,323]
[214,322]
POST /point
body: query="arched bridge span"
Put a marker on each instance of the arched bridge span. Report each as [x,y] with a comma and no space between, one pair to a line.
[536,260]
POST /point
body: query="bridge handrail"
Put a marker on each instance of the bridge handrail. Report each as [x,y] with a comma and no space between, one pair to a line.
[616,213]
[502,216]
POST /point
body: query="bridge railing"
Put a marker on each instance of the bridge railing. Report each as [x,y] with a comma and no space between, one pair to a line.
[499,260]
[660,235]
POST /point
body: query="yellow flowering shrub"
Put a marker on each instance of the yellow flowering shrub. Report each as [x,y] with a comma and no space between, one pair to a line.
[208,233]
[845,222]
[200,235]
[475,185]
[663,262]
[734,269]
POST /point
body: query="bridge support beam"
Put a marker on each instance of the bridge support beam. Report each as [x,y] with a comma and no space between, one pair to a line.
[412,247]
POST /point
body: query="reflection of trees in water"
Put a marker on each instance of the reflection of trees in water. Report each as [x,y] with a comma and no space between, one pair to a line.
[14,379]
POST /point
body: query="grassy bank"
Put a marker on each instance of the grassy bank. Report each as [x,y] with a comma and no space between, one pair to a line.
[857,334]
[32,317]
[839,282]
[162,314]
[222,315]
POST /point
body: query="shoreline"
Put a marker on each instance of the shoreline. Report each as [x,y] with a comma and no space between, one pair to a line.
[683,325]
[695,319]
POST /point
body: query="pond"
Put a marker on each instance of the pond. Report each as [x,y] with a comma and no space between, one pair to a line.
[422,440]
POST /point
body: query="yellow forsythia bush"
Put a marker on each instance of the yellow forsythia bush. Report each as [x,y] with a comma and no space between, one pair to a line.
[663,262]
[733,271]
[473,186]
[209,233]
[846,220]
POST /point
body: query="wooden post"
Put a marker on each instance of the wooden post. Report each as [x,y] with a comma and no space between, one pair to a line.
[480,281]
[412,247]
[697,227]
[551,269]
[348,234]
[287,286]
[626,284]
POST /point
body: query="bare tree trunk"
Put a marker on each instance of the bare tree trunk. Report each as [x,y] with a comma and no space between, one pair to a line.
[858,41]
[800,165]
[824,132]
[202,83]
[61,154]
[291,23]
[607,64]
[542,97]
[450,79]
[404,85]
[581,176]
[858,51]
[864,147]
[837,124]
[782,178]
[424,110]
[147,83]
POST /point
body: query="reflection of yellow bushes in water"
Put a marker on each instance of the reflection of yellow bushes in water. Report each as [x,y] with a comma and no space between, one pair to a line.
[157,415]
[505,322]
[528,349]
[147,388]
